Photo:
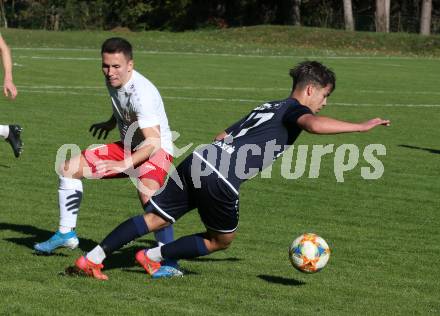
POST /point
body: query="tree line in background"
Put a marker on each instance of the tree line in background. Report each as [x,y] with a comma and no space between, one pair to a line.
[414,16]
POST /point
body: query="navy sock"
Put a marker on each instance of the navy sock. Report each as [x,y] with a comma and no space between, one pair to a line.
[187,247]
[129,230]
[165,236]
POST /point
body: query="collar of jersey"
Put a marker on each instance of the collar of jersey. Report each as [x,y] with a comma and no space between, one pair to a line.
[129,85]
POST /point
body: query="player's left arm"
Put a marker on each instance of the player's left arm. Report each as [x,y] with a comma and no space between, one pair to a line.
[143,152]
[147,148]
[326,125]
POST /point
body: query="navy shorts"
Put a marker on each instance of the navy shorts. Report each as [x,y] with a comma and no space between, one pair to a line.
[212,195]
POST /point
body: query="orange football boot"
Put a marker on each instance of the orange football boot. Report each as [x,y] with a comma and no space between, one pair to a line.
[90,269]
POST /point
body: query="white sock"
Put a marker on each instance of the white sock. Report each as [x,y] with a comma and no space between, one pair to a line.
[70,194]
[97,255]
[4,131]
[65,229]
[155,254]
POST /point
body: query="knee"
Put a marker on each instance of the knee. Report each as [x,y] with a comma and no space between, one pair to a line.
[155,222]
[222,243]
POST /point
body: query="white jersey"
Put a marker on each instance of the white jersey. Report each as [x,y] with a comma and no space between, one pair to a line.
[139,101]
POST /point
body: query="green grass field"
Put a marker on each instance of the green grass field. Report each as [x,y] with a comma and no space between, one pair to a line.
[383,233]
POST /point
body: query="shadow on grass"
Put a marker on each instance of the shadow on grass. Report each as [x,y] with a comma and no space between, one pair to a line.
[432,151]
[38,235]
[205,259]
[281,280]
[122,259]
[138,269]
[5,166]
[125,258]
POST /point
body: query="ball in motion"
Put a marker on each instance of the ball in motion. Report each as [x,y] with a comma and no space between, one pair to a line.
[309,253]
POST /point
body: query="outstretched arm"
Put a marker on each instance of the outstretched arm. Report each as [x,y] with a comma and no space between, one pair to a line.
[9,88]
[326,125]
[103,128]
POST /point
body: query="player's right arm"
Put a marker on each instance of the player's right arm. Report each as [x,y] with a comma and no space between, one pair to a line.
[227,131]
[325,125]
[103,128]
[221,135]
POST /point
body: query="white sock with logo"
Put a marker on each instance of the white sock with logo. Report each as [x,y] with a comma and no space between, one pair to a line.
[97,255]
[70,193]
[155,254]
[4,131]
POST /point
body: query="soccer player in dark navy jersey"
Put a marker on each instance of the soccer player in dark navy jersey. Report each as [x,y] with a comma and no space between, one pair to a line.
[209,179]
[254,142]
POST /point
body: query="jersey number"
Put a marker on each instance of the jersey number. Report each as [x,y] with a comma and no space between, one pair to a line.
[251,123]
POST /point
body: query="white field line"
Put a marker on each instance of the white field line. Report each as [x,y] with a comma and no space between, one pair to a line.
[99,59]
[387,105]
[332,103]
[195,88]
[219,88]
[60,58]
[398,92]
[63,92]
[151,52]
[49,49]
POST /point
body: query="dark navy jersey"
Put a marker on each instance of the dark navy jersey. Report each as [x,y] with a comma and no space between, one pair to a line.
[254,142]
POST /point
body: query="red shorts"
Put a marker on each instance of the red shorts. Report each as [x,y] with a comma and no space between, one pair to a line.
[155,168]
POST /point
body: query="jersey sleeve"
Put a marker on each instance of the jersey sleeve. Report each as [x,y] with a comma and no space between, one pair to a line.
[294,113]
[148,105]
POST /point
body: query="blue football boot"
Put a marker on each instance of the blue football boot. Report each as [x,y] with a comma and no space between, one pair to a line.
[167,272]
[157,270]
[68,240]
[168,269]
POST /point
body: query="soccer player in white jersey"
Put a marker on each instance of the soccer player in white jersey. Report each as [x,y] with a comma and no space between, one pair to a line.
[11,133]
[144,151]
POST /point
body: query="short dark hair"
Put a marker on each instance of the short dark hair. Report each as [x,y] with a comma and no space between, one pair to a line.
[312,72]
[117,45]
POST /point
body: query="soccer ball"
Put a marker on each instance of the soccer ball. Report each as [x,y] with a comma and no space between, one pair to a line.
[309,253]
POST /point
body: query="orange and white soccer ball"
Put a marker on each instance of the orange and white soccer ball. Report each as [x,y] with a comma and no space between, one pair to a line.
[309,253]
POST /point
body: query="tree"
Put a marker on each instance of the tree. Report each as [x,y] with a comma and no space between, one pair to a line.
[348,15]
[425,19]
[383,16]
[54,18]
[3,14]
[297,12]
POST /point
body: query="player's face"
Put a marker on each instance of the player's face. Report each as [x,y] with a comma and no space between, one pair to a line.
[318,97]
[117,69]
